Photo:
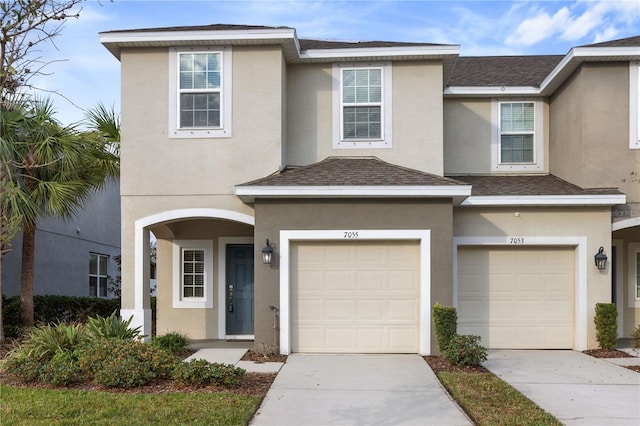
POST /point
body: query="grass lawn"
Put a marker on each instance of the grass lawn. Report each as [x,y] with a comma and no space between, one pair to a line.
[34,406]
[491,401]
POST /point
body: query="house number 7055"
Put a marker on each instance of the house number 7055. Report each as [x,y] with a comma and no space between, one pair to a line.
[350,235]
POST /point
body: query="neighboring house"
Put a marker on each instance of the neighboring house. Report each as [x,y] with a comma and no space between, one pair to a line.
[73,257]
[384,177]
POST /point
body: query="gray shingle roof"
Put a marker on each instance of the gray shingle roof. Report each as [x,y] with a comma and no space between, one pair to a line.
[503,70]
[213,27]
[329,44]
[623,42]
[352,171]
[528,185]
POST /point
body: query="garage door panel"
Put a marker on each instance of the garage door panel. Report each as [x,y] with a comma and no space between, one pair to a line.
[402,281]
[403,310]
[368,305]
[338,310]
[529,302]
[374,281]
[370,310]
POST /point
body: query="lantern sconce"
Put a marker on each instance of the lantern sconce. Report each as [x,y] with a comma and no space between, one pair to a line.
[267,253]
[601,259]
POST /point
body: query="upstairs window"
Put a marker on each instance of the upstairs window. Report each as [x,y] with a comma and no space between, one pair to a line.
[517,136]
[516,132]
[200,92]
[361,103]
[362,106]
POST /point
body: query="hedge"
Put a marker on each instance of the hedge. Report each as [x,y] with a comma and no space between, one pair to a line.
[52,309]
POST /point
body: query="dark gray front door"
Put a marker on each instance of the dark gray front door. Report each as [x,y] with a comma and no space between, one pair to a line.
[239,289]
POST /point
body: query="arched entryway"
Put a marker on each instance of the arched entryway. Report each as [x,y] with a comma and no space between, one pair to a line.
[194,250]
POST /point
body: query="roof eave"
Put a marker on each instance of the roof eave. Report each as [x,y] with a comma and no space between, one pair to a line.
[115,41]
[544,200]
[482,91]
[248,193]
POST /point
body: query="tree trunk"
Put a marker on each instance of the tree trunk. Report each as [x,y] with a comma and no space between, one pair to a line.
[26,281]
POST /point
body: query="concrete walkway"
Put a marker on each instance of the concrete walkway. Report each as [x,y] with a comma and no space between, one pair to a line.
[357,390]
[233,356]
[573,387]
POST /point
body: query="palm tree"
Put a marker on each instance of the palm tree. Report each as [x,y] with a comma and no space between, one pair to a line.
[57,168]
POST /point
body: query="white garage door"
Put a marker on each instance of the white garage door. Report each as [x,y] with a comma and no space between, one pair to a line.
[355,297]
[517,298]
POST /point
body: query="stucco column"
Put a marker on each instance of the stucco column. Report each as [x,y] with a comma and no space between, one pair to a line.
[141,312]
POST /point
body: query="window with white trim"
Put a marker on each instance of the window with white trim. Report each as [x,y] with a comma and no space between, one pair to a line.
[200,98]
[516,132]
[362,106]
[517,136]
[98,277]
[634,105]
[633,261]
[193,274]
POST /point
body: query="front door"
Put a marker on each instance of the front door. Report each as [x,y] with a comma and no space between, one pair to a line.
[239,290]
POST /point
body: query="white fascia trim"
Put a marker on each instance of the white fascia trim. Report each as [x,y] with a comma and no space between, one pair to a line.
[626,223]
[577,53]
[203,35]
[422,235]
[388,52]
[580,243]
[436,191]
[491,91]
[544,200]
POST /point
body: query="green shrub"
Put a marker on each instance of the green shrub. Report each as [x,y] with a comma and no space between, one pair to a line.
[125,363]
[606,321]
[62,369]
[111,327]
[199,372]
[635,338]
[49,354]
[445,320]
[465,350]
[50,309]
[173,342]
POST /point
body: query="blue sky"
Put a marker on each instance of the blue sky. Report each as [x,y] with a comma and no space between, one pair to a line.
[86,73]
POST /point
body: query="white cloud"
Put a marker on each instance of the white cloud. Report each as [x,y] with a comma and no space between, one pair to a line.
[534,30]
[606,34]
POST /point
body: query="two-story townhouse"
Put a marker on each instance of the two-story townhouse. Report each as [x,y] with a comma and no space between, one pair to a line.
[323,196]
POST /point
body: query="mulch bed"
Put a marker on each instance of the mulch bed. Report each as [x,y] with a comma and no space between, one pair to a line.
[259,357]
[438,363]
[251,384]
[635,368]
[607,353]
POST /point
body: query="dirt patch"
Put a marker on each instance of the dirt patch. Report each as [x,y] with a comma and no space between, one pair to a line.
[607,353]
[259,357]
[439,363]
[635,368]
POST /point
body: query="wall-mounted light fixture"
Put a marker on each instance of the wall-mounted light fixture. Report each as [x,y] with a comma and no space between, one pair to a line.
[601,259]
[267,253]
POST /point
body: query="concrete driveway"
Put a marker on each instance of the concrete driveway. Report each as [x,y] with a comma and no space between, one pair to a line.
[573,387]
[357,390]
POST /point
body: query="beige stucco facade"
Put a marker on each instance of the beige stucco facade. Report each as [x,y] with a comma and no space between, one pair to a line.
[281,114]
[417,129]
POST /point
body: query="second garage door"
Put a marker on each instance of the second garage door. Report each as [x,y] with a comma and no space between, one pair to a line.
[355,297]
[517,298]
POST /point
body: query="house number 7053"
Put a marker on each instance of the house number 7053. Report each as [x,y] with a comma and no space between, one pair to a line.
[350,235]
